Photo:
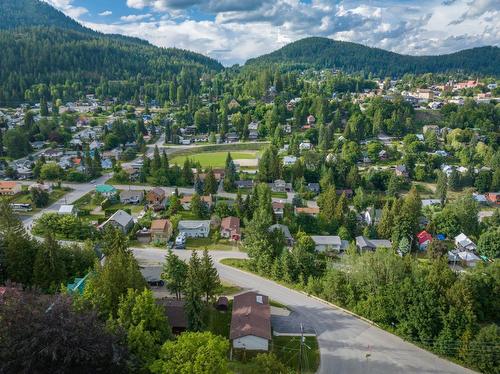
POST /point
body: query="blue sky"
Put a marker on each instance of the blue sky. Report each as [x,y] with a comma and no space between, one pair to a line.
[234,30]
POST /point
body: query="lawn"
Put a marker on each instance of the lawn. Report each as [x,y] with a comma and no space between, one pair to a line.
[287,349]
[214,159]
[218,322]
[210,244]
[25,198]
[279,195]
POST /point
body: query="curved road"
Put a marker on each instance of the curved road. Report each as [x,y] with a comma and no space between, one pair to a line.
[347,344]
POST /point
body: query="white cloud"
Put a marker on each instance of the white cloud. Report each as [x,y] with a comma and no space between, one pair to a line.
[135,17]
[67,7]
[243,29]
[106,13]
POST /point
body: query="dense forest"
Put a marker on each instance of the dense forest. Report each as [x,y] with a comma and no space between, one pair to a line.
[61,51]
[316,52]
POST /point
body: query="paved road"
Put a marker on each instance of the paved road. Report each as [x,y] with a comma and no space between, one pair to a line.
[79,190]
[347,344]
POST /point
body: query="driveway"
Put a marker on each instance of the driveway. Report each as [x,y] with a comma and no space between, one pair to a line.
[347,344]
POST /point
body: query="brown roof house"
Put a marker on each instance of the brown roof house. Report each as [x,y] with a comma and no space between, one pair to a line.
[9,188]
[251,322]
[176,314]
[161,230]
[156,198]
[230,228]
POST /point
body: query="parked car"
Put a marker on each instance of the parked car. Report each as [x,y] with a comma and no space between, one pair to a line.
[180,241]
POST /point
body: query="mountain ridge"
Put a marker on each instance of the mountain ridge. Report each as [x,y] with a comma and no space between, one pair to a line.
[320,52]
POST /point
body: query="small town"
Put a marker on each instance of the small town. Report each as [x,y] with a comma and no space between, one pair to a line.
[286,215]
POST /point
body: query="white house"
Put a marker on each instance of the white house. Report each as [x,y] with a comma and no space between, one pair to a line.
[305,146]
[131,197]
[194,229]
[289,160]
[462,242]
[251,322]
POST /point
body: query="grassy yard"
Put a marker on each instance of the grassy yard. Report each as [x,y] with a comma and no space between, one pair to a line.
[25,198]
[279,195]
[218,322]
[210,244]
[214,159]
[287,349]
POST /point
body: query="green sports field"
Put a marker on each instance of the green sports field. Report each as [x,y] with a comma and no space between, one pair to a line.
[214,159]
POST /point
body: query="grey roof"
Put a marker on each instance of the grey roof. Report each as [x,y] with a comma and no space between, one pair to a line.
[121,217]
[131,193]
[326,240]
[284,229]
[191,225]
[362,242]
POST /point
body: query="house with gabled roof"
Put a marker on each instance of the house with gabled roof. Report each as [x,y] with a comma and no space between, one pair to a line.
[251,322]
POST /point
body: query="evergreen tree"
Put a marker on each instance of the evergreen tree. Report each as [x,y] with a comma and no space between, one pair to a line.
[385,226]
[229,173]
[174,274]
[198,185]
[187,173]
[454,180]
[156,163]
[192,293]
[49,270]
[44,109]
[393,186]
[209,277]
[442,187]
[210,186]
[197,206]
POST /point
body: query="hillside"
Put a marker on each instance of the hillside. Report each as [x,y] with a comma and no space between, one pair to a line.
[351,57]
[39,44]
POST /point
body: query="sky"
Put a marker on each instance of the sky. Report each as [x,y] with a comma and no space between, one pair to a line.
[233,31]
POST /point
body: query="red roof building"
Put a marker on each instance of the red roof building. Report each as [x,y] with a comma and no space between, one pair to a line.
[230,228]
[424,238]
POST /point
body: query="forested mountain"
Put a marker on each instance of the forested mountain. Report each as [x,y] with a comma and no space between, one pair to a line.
[351,57]
[40,45]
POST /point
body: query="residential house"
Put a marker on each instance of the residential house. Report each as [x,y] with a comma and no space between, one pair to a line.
[67,210]
[233,104]
[285,230]
[279,185]
[313,187]
[232,137]
[310,211]
[329,243]
[253,135]
[106,163]
[106,190]
[251,322]
[464,257]
[176,314]
[230,228]
[305,146]
[430,202]
[278,209]
[53,154]
[194,229]
[289,160]
[365,244]
[311,120]
[161,230]
[382,155]
[253,126]
[156,198]
[40,187]
[131,196]
[493,197]
[462,242]
[121,220]
[133,174]
[186,201]
[401,171]
[10,188]
[433,128]
[483,214]
[424,239]
[143,235]
[244,184]
[480,198]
